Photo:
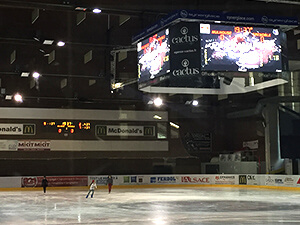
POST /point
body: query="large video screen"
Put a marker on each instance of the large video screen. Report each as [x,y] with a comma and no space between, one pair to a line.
[239,48]
[153,56]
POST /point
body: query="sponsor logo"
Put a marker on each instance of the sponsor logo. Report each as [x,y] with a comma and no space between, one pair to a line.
[133,179]
[188,179]
[29,129]
[29,181]
[152,179]
[264,19]
[269,180]
[10,129]
[101,130]
[162,179]
[278,181]
[251,177]
[186,71]
[183,13]
[298,182]
[149,131]
[125,130]
[242,179]
[224,179]
[185,38]
[34,144]
[126,179]
[289,180]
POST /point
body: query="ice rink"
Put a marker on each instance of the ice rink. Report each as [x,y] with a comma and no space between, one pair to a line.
[152,206]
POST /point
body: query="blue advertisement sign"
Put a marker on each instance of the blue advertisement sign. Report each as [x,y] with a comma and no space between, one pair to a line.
[217,16]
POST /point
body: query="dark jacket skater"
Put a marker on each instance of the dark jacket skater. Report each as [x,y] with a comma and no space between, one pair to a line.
[44,184]
[109,183]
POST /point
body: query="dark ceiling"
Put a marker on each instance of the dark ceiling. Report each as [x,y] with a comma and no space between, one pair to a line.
[78,75]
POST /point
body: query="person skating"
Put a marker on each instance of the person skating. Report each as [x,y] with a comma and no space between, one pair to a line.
[109,183]
[92,189]
[44,184]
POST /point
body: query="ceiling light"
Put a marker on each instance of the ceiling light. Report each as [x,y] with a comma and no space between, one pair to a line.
[8,97]
[60,43]
[36,75]
[25,74]
[195,102]
[96,10]
[174,125]
[158,102]
[18,97]
[157,117]
[48,42]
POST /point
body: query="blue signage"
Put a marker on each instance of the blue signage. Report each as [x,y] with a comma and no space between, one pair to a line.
[216,16]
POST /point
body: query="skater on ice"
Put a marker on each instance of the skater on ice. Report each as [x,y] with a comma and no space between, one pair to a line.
[44,183]
[92,189]
[109,183]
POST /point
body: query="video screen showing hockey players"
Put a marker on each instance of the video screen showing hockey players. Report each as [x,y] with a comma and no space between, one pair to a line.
[239,48]
[153,56]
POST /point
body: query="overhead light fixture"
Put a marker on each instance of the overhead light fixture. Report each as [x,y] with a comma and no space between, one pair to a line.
[18,98]
[157,117]
[174,125]
[48,42]
[158,102]
[36,75]
[117,85]
[8,97]
[25,74]
[195,103]
[78,8]
[97,10]
[61,43]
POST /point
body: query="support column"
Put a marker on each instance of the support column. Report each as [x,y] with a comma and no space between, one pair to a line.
[272,148]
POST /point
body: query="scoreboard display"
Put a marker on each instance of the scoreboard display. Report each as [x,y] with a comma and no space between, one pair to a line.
[240,48]
[67,126]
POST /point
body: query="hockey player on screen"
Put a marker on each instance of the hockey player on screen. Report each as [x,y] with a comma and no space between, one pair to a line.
[92,189]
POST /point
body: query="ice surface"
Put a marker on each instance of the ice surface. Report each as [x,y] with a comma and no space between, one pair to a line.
[151,206]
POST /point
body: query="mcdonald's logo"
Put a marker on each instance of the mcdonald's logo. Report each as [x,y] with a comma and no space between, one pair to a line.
[242,179]
[101,130]
[29,129]
[149,131]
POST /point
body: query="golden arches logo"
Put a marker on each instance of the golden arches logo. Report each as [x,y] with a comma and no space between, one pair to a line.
[101,130]
[29,129]
[242,179]
[149,131]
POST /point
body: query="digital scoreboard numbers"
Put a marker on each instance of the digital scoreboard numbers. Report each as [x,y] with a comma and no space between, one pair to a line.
[69,127]
[240,48]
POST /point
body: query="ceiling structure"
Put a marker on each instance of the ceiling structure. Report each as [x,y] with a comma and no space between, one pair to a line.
[78,74]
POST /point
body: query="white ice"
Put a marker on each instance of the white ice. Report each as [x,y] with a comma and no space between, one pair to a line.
[203,206]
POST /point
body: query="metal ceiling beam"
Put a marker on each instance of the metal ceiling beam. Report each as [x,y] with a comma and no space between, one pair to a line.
[70,7]
[291,2]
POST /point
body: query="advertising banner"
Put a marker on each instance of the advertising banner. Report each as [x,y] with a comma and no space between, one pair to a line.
[185,58]
[124,130]
[55,181]
[8,145]
[185,54]
[192,179]
[34,145]
[17,129]
[225,179]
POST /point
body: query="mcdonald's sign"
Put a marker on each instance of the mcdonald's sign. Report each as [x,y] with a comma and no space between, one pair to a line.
[29,129]
[101,130]
[125,130]
[242,179]
[149,131]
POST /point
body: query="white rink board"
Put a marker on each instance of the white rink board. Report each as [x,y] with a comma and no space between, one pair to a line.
[182,179]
